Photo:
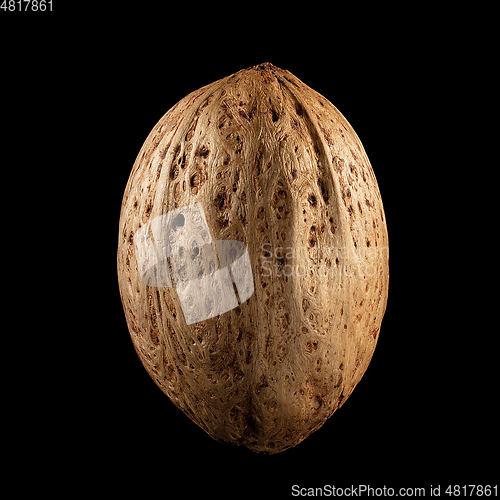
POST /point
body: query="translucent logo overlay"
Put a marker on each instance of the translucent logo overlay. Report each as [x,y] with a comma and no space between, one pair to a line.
[177,248]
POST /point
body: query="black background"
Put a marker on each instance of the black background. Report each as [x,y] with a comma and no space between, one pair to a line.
[423,413]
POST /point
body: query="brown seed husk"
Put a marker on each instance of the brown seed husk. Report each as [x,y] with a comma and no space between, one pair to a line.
[274,165]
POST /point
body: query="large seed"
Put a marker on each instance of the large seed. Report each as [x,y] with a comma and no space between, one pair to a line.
[253,258]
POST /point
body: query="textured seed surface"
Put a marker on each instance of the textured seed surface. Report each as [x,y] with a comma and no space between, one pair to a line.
[276,166]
